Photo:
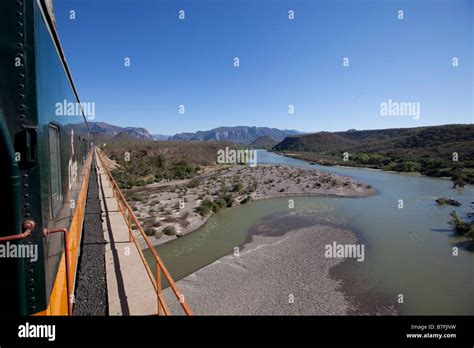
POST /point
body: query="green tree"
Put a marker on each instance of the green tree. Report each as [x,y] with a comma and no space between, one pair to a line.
[461,227]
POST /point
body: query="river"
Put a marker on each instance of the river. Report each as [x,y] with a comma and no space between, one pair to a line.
[408,251]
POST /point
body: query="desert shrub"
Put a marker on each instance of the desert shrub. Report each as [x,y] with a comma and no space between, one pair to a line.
[228,200]
[219,203]
[205,207]
[237,187]
[182,170]
[169,230]
[149,231]
[193,183]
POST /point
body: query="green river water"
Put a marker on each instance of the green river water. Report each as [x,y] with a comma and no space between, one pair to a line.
[408,251]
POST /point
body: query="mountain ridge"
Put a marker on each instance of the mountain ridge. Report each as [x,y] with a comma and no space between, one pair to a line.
[105,130]
[236,134]
[264,142]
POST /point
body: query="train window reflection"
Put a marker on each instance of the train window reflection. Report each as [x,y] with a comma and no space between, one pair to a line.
[55,167]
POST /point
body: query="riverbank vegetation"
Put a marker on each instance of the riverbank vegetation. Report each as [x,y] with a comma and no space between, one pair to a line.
[462,227]
[438,151]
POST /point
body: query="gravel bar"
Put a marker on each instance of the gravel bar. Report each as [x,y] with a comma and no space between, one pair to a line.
[274,274]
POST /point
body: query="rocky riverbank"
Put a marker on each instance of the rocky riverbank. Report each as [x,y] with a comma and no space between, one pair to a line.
[173,209]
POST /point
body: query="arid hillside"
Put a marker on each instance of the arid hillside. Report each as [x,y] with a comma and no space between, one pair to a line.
[145,162]
[446,150]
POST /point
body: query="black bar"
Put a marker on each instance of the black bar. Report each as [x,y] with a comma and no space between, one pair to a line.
[223,330]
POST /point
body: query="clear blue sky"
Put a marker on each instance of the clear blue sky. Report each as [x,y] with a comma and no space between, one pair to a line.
[282,62]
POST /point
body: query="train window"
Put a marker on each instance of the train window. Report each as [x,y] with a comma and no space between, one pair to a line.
[55,168]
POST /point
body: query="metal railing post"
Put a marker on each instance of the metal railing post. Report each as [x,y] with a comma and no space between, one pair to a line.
[158,289]
[129,219]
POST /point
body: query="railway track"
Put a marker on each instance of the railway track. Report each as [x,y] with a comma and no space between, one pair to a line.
[91,290]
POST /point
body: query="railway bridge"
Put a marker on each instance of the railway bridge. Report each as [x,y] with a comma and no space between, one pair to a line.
[114,277]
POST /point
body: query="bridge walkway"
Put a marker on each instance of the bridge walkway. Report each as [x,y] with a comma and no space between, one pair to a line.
[129,289]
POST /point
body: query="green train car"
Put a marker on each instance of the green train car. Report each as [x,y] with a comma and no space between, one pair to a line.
[46,158]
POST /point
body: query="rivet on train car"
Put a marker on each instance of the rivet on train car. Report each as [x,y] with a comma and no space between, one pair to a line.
[19,35]
[22,116]
[21,96]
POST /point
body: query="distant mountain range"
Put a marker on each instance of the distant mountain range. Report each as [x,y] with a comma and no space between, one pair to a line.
[160,137]
[239,134]
[105,131]
[446,150]
[244,135]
